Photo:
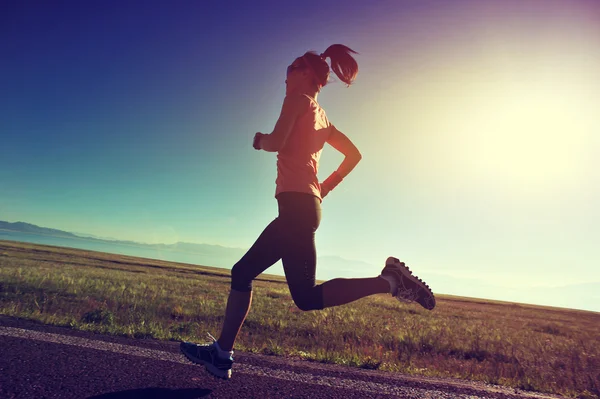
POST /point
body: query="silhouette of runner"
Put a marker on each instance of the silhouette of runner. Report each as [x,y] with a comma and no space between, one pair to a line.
[298,138]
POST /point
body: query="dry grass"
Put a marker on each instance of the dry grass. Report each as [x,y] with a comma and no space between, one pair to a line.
[530,347]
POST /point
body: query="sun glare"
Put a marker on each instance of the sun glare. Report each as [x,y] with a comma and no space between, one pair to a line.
[531,135]
[502,127]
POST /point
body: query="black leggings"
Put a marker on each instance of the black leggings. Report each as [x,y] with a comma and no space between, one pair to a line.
[290,237]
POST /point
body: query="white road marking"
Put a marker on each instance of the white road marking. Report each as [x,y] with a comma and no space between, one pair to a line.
[305,378]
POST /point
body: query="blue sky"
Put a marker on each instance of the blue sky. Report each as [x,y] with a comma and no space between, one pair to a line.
[477,124]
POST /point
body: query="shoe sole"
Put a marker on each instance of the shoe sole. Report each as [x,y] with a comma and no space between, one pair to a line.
[405,272]
[224,375]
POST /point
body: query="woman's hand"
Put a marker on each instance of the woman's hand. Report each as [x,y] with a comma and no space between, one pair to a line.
[330,183]
[256,142]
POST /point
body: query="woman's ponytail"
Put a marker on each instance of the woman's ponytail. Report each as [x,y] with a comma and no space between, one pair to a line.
[342,62]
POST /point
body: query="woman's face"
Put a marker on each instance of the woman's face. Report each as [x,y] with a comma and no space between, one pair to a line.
[297,75]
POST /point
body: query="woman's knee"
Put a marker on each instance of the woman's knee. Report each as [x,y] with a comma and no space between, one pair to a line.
[308,298]
[240,281]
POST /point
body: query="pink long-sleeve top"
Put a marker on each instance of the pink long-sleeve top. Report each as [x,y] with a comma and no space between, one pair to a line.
[298,156]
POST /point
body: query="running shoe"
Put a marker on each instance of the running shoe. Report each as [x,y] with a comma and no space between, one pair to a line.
[208,355]
[409,288]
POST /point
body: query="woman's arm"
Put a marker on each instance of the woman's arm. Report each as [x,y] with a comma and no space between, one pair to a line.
[343,144]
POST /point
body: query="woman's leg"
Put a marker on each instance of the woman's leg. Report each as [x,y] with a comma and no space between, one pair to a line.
[300,217]
[263,254]
[300,274]
[340,291]
[238,306]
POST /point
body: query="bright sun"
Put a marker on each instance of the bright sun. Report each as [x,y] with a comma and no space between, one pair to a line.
[533,134]
[530,133]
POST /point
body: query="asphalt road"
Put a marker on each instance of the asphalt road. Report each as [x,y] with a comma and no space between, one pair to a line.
[39,361]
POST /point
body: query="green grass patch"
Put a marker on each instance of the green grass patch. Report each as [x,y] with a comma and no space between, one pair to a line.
[529,347]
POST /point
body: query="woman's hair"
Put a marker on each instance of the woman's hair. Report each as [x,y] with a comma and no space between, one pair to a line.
[342,63]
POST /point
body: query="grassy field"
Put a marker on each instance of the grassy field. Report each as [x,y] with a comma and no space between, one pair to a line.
[530,347]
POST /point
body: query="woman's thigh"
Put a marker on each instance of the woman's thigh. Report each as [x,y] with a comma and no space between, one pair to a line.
[300,216]
[265,251]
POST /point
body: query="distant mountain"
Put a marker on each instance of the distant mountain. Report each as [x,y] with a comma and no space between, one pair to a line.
[575,296]
[214,255]
[85,235]
[31,228]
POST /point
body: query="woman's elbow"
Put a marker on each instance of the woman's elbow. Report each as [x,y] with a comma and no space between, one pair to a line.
[271,146]
[353,159]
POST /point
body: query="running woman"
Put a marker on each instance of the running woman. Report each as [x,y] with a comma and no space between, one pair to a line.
[298,139]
